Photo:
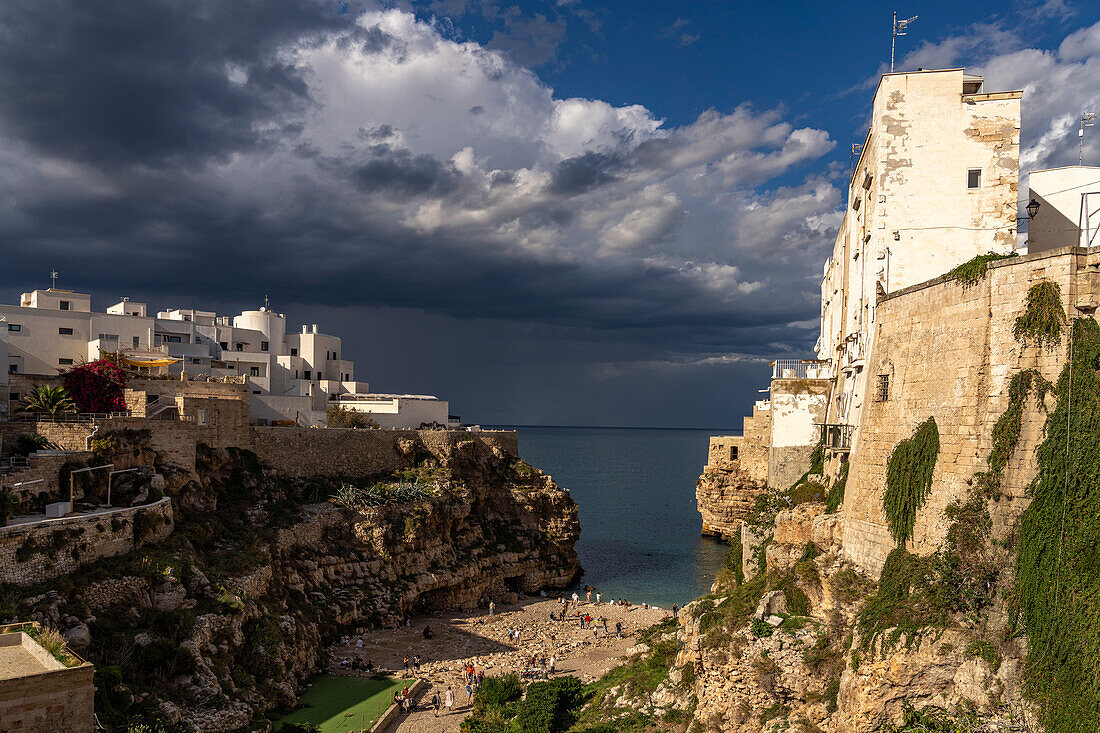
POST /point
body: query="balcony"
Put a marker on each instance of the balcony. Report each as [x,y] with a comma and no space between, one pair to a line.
[802,369]
[837,437]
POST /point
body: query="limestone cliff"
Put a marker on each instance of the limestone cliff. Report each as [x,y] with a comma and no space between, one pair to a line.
[218,624]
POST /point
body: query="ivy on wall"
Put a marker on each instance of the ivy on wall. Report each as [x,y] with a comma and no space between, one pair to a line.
[1006,433]
[1057,592]
[973,270]
[909,479]
[1043,318]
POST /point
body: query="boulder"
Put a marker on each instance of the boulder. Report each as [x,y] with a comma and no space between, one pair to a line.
[78,637]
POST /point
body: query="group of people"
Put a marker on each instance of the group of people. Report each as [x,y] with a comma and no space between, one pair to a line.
[404,699]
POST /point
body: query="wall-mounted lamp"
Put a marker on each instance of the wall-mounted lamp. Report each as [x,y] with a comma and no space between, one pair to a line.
[1032,208]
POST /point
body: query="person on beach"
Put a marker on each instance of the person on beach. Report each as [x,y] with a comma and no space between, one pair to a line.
[416,663]
[551,666]
[492,608]
[576,599]
[469,693]
[436,702]
[406,664]
[605,626]
[449,700]
[588,598]
[598,599]
[618,629]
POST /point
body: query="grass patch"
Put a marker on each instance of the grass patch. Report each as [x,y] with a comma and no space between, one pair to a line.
[338,704]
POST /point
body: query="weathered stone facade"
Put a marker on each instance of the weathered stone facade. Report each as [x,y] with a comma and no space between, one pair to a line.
[736,472]
[949,353]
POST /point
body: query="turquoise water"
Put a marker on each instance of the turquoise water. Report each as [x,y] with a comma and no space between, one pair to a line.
[636,491]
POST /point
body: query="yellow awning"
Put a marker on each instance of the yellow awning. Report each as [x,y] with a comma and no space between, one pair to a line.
[148,362]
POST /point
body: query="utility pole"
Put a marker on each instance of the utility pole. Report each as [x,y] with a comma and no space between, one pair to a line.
[899,29]
[1086,121]
[53,279]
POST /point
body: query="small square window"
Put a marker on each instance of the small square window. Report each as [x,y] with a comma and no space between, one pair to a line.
[307,374]
[64,361]
[63,305]
[137,341]
[14,396]
[13,368]
[14,327]
[240,347]
[293,351]
[196,361]
[254,371]
[882,392]
[974,178]
[65,331]
[224,345]
[263,346]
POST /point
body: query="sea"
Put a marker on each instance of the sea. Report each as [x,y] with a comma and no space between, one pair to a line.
[635,488]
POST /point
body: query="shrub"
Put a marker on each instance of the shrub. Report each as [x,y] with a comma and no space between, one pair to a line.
[30,442]
[549,707]
[9,505]
[909,479]
[498,691]
[760,629]
[982,649]
[97,386]
[338,416]
[835,497]
[1043,316]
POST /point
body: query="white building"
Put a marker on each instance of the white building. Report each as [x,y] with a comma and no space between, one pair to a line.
[936,184]
[294,377]
[1067,212]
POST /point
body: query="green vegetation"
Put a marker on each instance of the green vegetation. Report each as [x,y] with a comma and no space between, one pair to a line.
[931,720]
[982,649]
[909,479]
[1006,433]
[337,704]
[30,442]
[9,505]
[906,601]
[338,416]
[973,271]
[48,401]
[835,497]
[1057,590]
[1043,316]
[53,642]
[382,494]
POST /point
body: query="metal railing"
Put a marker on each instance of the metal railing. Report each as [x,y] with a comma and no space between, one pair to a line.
[67,417]
[836,436]
[801,369]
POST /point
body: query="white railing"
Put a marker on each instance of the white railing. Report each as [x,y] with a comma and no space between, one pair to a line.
[801,369]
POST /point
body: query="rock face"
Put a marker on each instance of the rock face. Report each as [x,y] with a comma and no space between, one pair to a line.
[226,617]
[724,496]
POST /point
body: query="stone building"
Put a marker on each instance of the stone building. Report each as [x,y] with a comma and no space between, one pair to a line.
[936,184]
[39,694]
[294,376]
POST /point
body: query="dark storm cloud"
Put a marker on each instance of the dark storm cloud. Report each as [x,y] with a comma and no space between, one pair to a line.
[146,82]
[401,174]
[584,172]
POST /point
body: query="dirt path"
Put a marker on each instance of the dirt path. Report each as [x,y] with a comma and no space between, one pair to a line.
[482,640]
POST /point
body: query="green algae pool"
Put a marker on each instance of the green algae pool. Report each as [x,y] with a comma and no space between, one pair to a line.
[337,704]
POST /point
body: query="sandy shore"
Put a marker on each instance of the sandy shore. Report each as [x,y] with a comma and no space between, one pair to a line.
[482,640]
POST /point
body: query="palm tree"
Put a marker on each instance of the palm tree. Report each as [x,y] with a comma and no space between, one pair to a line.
[48,400]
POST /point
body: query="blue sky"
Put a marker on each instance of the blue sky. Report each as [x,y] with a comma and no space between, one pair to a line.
[552,212]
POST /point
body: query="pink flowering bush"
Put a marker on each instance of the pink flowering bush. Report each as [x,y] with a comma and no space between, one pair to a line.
[97,386]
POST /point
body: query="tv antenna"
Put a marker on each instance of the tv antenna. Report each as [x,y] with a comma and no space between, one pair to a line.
[53,279]
[856,147]
[900,29]
[1086,121]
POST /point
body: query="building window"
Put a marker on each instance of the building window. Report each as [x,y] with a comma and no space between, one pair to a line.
[172,339]
[13,368]
[240,347]
[263,346]
[63,305]
[196,361]
[200,417]
[137,341]
[254,371]
[65,362]
[294,351]
[224,345]
[882,391]
[65,331]
[255,391]
[14,327]
[295,373]
[334,357]
[14,396]
[974,178]
[307,374]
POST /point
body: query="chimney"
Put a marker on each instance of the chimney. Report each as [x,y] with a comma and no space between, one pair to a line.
[315,328]
[305,328]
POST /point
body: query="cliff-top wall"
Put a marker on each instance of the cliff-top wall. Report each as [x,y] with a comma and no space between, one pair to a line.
[948,352]
[340,452]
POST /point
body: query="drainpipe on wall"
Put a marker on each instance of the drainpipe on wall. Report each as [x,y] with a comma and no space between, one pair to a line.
[88,439]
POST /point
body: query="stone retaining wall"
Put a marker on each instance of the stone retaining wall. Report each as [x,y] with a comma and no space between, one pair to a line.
[336,452]
[52,700]
[950,354]
[55,547]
